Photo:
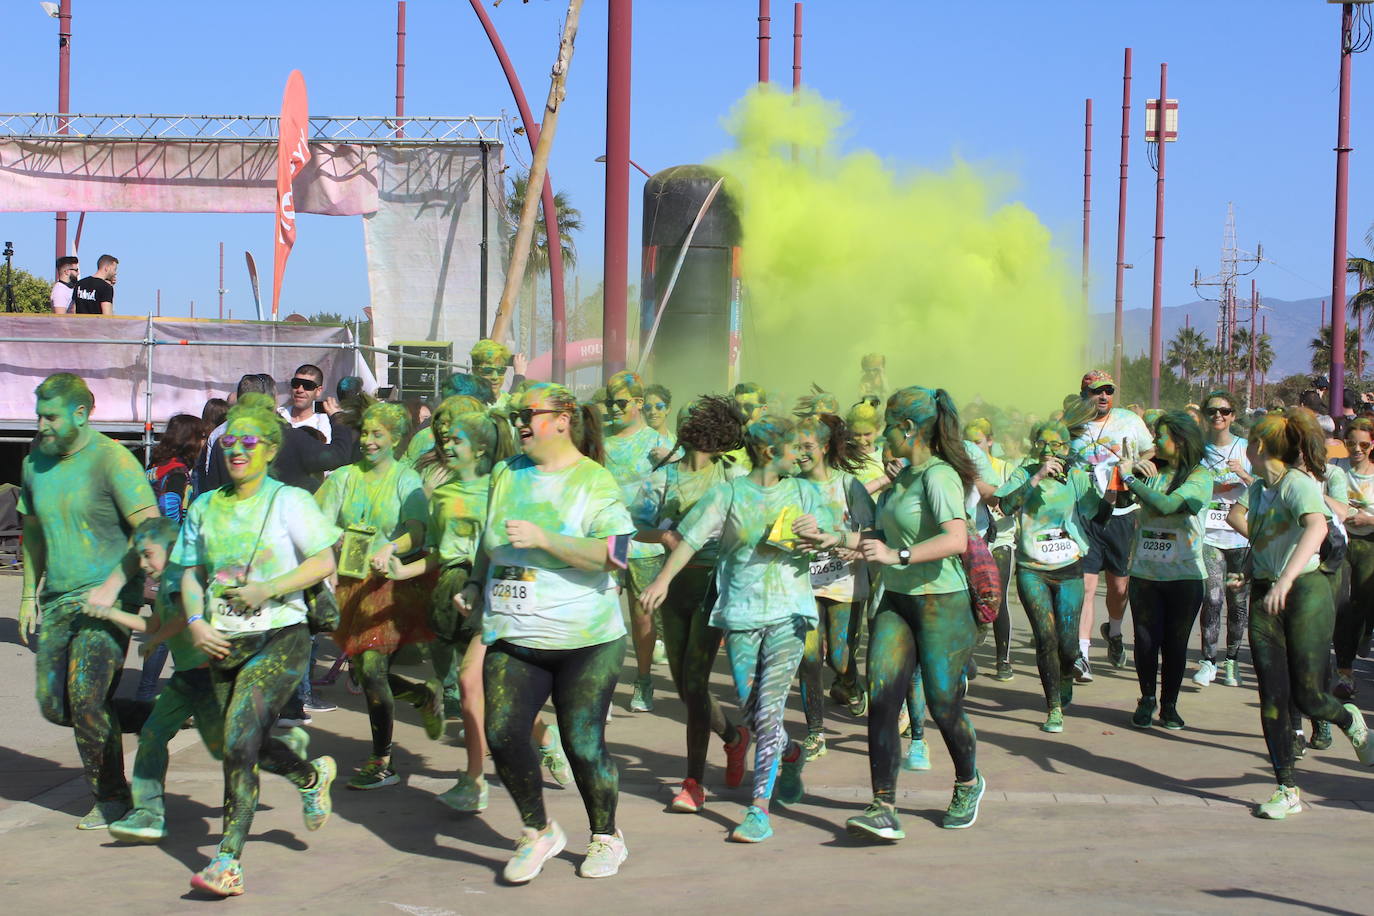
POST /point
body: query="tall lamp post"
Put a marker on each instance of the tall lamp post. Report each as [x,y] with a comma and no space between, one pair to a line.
[1160,131]
[62,12]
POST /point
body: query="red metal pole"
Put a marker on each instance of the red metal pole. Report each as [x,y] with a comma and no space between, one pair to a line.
[1264,330]
[1087,190]
[1121,215]
[796,46]
[64,98]
[764,20]
[1254,341]
[221,281]
[400,66]
[617,248]
[1338,273]
[560,324]
[1157,304]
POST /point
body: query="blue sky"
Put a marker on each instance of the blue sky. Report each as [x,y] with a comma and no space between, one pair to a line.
[1000,83]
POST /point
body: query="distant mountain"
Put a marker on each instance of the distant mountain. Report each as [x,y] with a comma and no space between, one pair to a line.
[1291,325]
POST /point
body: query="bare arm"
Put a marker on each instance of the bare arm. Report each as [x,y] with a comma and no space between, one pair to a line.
[653,595]
[1239,519]
[35,551]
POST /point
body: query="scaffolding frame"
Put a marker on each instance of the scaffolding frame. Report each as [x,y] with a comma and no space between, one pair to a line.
[375,130]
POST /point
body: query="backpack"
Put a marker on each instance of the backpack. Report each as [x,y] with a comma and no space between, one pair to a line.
[170,503]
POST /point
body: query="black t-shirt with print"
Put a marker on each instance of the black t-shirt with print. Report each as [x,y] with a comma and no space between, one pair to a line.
[89,293]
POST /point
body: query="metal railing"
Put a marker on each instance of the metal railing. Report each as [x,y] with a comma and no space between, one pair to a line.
[371,129]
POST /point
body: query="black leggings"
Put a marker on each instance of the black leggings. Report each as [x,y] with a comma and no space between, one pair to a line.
[381,690]
[835,637]
[692,645]
[1001,627]
[1163,613]
[1356,612]
[518,680]
[1290,652]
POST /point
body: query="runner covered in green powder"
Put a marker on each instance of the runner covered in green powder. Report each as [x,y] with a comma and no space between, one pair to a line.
[925,616]
[249,551]
[631,445]
[765,605]
[555,529]
[1291,609]
[1355,616]
[863,420]
[707,428]
[82,495]
[459,384]
[380,505]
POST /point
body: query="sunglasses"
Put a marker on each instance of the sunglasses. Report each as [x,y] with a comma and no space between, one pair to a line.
[491,371]
[1052,446]
[656,405]
[1105,389]
[306,383]
[249,442]
[617,403]
[1219,411]
[525,415]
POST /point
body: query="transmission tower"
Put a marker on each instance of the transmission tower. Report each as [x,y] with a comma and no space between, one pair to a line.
[1233,266]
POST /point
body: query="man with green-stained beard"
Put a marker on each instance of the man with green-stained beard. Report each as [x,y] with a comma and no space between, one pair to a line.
[82,495]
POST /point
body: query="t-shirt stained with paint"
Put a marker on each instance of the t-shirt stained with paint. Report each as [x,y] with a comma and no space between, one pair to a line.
[852,509]
[759,583]
[81,502]
[221,533]
[1275,516]
[421,442]
[1226,490]
[1360,495]
[913,510]
[167,607]
[1049,517]
[1097,449]
[534,599]
[1168,548]
[457,510]
[872,467]
[629,461]
[386,504]
[671,492]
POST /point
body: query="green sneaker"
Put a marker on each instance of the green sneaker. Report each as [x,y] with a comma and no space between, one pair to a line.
[468,796]
[1054,722]
[139,826]
[917,755]
[1358,733]
[963,807]
[1282,803]
[1321,735]
[1169,717]
[878,822]
[754,828]
[375,774]
[1144,712]
[316,805]
[223,877]
[813,748]
[642,699]
[789,789]
[298,740]
[552,756]
[1230,673]
[103,814]
[1004,671]
[432,710]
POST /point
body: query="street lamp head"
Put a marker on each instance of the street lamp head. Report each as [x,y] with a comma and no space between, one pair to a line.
[601,158]
[50,8]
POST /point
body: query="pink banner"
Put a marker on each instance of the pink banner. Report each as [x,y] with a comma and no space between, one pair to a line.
[293,150]
[580,355]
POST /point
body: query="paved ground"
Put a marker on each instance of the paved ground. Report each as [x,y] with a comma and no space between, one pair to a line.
[1102,817]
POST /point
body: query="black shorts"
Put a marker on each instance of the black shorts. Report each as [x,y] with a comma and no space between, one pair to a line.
[1109,545]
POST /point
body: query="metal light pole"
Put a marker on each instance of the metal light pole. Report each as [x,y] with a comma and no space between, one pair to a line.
[221,281]
[64,97]
[1254,342]
[1338,267]
[616,252]
[1157,303]
[1087,191]
[1121,216]
[764,20]
[401,67]
[796,46]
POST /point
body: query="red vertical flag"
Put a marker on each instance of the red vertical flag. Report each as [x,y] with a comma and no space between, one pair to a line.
[293,152]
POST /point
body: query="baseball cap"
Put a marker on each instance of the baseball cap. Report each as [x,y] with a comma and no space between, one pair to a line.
[1096,379]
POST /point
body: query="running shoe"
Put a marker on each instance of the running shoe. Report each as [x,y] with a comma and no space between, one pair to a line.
[294,720]
[532,850]
[1321,735]
[298,740]
[315,704]
[858,701]
[1299,745]
[223,877]
[660,653]
[103,814]
[552,756]
[1169,717]
[139,826]
[963,807]
[1206,673]
[839,693]
[1358,733]
[453,704]
[1282,803]
[1082,671]
[878,822]
[1004,672]
[754,828]
[971,669]
[1230,673]
[1054,722]
[1144,712]
[917,755]
[468,795]
[1345,688]
[734,757]
[605,854]
[904,722]
[1116,647]
[690,799]
[813,748]
[642,700]
[316,805]
[790,789]
[375,774]
[432,709]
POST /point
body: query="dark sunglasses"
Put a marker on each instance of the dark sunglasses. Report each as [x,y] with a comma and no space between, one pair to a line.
[1219,411]
[525,415]
[1105,389]
[617,403]
[306,383]
[249,442]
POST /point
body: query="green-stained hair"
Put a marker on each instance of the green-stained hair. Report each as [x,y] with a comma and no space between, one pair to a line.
[768,431]
[980,428]
[488,434]
[585,429]
[392,416]
[632,382]
[260,410]
[864,416]
[936,419]
[159,530]
[1188,442]
[488,351]
[69,389]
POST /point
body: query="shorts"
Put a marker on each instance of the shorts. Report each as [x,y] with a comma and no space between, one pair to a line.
[639,572]
[1109,545]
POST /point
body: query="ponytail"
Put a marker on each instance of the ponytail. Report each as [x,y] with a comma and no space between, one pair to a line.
[1295,439]
[840,450]
[946,439]
[586,433]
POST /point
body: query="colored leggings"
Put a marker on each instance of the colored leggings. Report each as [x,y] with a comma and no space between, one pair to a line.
[1290,651]
[839,627]
[188,693]
[937,632]
[1053,600]
[518,680]
[1001,627]
[763,662]
[692,644]
[1163,613]
[251,685]
[381,689]
[1356,614]
[77,667]
[1222,561]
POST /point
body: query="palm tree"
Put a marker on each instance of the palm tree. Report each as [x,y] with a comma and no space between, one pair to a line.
[1186,351]
[569,221]
[1264,354]
[1321,348]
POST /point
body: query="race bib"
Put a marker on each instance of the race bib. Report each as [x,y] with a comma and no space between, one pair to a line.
[1158,545]
[1054,547]
[829,571]
[228,618]
[511,590]
[1216,515]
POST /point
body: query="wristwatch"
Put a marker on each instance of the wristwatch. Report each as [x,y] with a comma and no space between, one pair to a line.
[904,557]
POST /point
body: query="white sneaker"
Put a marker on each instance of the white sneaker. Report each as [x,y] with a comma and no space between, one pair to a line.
[1206,673]
[1282,803]
[1358,733]
[605,854]
[534,848]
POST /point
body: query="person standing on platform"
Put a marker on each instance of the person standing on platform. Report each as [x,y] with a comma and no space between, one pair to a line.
[94,295]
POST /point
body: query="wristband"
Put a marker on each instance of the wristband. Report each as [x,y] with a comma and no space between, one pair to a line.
[192,619]
[1128,479]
